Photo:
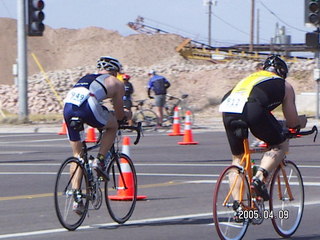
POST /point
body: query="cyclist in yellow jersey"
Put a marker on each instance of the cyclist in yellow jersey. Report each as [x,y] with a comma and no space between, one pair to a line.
[252,101]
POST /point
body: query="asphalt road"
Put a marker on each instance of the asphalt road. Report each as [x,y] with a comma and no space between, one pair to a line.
[177,180]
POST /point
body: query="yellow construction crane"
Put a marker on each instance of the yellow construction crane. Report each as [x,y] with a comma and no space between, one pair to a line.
[197,50]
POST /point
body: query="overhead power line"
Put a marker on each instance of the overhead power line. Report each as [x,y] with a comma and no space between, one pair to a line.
[7,9]
[277,17]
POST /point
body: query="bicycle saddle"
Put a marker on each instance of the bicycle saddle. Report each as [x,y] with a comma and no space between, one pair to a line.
[239,128]
[76,123]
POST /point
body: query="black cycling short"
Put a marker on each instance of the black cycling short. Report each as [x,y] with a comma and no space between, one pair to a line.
[127,104]
[262,125]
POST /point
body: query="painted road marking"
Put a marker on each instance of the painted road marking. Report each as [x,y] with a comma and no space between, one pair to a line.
[96,226]
[128,223]
[147,164]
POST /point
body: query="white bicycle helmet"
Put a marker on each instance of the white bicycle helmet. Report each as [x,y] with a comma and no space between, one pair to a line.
[109,64]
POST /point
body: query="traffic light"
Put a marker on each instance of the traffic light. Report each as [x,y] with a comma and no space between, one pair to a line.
[312,12]
[312,40]
[35,17]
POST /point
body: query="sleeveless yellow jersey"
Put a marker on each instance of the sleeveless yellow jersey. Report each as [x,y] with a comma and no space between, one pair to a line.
[235,102]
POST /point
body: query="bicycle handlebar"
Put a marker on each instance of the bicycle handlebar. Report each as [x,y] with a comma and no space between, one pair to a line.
[178,98]
[314,129]
[137,128]
[140,102]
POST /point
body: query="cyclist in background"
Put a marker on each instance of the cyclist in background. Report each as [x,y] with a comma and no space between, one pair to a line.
[159,85]
[84,101]
[252,101]
[127,99]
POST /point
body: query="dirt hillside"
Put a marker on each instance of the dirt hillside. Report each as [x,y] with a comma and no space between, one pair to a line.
[66,54]
[68,48]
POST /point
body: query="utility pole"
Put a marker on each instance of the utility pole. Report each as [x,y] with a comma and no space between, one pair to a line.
[209,24]
[22,61]
[258,27]
[209,3]
[252,26]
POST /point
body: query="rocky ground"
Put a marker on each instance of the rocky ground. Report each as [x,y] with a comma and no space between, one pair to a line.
[66,55]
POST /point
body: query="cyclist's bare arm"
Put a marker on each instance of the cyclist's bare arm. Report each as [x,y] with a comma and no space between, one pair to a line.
[289,109]
[115,91]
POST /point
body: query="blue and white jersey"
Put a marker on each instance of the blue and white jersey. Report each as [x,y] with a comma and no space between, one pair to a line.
[89,85]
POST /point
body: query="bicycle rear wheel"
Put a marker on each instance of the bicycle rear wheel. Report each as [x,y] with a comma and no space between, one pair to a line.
[225,198]
[148,118]
[286,200]
[121,189]
[71,197]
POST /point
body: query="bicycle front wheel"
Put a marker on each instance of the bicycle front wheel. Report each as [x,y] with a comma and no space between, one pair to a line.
[71,194]
[286,199]
[148,118]
[121,189]
[231,192]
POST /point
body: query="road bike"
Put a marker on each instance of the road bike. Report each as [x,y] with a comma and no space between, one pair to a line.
[236,205]
[147,117]
[77,183]
[171,103]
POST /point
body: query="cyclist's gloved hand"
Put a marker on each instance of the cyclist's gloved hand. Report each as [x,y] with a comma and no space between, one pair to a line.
[122,122]
[295,129]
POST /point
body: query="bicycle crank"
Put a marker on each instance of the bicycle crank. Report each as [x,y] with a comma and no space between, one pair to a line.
[259,203]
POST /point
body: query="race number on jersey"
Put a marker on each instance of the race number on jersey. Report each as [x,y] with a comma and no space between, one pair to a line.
[77,96]
[234,103]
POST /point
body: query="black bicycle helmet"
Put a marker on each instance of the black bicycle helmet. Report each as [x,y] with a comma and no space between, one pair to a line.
[109,64]
[280,67]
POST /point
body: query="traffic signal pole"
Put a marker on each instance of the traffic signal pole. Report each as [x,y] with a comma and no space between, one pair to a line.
[312,17]
[316,75]
[22,62]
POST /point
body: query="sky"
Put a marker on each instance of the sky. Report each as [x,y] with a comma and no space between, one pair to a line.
[230,18]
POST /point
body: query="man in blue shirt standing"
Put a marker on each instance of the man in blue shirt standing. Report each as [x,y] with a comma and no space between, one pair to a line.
[159,85]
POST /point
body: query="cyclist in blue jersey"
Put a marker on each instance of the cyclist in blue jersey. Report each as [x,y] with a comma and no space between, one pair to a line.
[159,85]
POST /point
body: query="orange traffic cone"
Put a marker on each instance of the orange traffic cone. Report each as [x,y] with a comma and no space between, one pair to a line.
[176,124]
[63,129]
[128,193]
[91,135]
[187,139]
[125,146]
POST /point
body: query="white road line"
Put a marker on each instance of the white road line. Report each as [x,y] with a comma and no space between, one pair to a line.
[148,164]
[95,226]
[139,174]
[17,152]
[312,184]
[133,222]
[30,164]
[136,164]
[28,173]
[39,140]
[20,135]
